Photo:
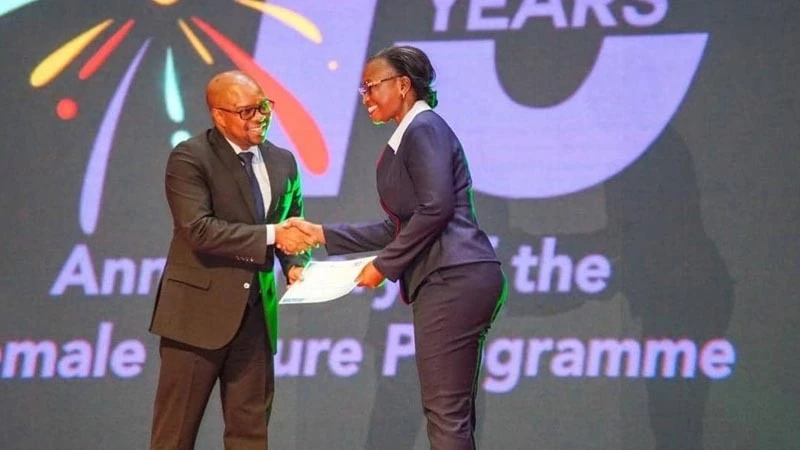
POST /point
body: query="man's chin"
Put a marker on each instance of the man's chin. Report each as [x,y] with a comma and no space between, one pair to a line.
[258,139]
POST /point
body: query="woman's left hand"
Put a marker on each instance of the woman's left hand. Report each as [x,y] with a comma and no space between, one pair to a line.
[370,277]
[295,274]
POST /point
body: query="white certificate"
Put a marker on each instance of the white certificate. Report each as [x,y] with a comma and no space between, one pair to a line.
[324,281]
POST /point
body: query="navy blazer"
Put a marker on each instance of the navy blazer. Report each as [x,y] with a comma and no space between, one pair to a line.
[426,190]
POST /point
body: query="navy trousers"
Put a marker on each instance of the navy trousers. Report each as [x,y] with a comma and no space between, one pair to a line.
[453,310]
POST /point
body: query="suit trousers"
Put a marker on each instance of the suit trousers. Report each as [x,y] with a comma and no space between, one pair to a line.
[244,368]
[453,310]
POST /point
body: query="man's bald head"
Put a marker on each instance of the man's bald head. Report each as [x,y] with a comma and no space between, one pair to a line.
[222,88]
[236,105]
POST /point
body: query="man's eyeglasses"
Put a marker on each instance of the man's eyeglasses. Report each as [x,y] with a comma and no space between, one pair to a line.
[247,113]
[366,88]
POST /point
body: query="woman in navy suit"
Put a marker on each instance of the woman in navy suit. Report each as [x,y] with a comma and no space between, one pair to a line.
[430,241]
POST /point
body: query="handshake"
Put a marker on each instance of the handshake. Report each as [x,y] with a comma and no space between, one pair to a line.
[295,235]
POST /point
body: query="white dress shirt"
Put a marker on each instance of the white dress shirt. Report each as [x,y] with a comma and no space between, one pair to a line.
[418,107]
[262,176]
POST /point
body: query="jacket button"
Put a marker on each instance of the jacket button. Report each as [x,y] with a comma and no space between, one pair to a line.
[246,285]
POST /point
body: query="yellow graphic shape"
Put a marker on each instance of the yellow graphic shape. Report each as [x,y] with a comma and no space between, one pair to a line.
[165,2]
[198,46]
[290,18]
[56,62]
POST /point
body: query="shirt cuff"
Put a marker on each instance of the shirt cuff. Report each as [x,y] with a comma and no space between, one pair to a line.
[270,234]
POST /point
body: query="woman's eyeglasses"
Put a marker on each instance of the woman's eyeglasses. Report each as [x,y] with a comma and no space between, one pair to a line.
[366,88]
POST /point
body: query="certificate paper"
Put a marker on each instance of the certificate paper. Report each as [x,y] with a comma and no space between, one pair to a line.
[324,281]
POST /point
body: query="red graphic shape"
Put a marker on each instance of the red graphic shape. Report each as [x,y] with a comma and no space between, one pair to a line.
[300,127]
[67,108]
[104,51]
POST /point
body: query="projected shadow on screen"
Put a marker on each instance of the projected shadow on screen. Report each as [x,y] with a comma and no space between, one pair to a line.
[673,277]
[667,268]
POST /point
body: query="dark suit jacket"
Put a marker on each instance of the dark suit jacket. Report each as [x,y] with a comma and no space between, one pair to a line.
[218,243]
[426,190]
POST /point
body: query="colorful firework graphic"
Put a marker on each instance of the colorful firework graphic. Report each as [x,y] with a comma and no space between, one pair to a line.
[294,118]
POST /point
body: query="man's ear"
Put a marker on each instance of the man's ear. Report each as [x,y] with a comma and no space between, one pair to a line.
[216,117]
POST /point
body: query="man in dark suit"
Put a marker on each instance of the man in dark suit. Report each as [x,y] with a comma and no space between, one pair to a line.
[229,191]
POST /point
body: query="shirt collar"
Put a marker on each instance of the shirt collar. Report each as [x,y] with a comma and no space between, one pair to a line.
[253,150]
[418,107]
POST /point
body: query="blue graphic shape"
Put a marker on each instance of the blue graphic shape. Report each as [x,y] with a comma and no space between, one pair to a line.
[514,151]
[6,6]
[328,94]
[172,92]
[95,176]
[178,137]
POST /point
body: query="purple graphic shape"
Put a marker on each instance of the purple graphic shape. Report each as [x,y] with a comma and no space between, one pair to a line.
[631,94]
[302,67]
[94,178]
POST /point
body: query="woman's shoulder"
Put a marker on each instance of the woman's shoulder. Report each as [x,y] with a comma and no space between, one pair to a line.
[429,119]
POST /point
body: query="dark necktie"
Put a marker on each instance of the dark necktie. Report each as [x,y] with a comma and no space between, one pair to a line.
[247,159]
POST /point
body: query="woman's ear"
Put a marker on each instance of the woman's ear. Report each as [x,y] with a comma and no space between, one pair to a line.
[405,86]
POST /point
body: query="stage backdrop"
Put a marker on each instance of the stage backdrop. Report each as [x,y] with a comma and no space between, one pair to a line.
[635,162]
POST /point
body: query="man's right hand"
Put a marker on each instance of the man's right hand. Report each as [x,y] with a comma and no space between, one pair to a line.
[309,228]
[295,235]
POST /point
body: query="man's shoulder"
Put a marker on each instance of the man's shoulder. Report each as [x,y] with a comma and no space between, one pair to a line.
[268,148]
[192,141]
[199,145]
[203,139]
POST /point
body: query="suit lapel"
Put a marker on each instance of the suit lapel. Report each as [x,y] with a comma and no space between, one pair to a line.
[234,165]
